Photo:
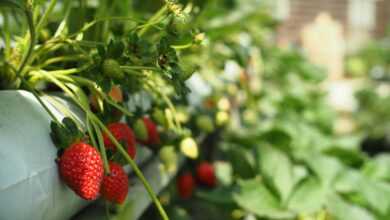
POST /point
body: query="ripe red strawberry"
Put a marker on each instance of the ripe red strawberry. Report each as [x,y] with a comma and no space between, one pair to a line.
[153,135]
[81,168]
[205,174]
[123,134]
[115,186]
[185,185]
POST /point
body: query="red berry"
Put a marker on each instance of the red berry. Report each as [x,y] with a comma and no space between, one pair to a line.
[123,134]
[153,135]
[115,186]
[205,174]
[185,185]
[81,168]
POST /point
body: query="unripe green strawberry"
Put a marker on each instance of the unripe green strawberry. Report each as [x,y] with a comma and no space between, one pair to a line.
[205,123]
[189,148]
[8,78]
[111,69]
[168,157]
[222,118]
[159,117]
[153,137]
[140,130]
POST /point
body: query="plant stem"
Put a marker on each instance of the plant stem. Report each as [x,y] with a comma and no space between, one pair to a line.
[154,18]
[35,93]
[94,86]
[101,146]
[7,35]
[31,27]
[45,16]
[91,133]
[64,109]
[75,57]
[167,101]
[137,171]
[140,68]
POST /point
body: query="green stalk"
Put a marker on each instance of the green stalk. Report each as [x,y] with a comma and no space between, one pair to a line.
[140,68]
[45,16]
[102,148]
[153,19]
[137,171]
[91,134]
[35,93]
[62,59]
[64,109]
[31,27]
[7,35]
[93,86]
[167,101]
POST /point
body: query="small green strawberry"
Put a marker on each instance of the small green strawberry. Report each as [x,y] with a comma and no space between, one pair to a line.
[111,69]
[159,117]
[168,157]
[140,130]
[205,123]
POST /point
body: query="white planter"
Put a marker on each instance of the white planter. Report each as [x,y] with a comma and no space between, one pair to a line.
[30,187]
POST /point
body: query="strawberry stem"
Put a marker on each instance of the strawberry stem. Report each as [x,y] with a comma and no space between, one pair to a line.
[101,147]
[30,21]
[156,17]
[134,166]
[36,95]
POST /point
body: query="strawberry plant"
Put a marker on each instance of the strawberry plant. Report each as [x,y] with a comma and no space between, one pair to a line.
[203,85]
[99,59]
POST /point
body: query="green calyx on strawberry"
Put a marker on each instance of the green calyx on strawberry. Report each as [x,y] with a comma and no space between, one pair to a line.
[66,133]
[111,69]
[206,175]
[123,134]
[115,185]
[146,131]
[185,185]
[81,168]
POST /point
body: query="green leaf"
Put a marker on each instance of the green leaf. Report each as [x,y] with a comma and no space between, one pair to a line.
[240,161]
[277,169]
[309,196]
[220,195]
[279,136]
[378,168]
[348,181]
[12,3]
[341,210]
[326,168]
[377,195]
[253,196]
[348,157]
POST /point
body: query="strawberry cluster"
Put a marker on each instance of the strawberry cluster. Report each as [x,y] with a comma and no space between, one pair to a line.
[81,165]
